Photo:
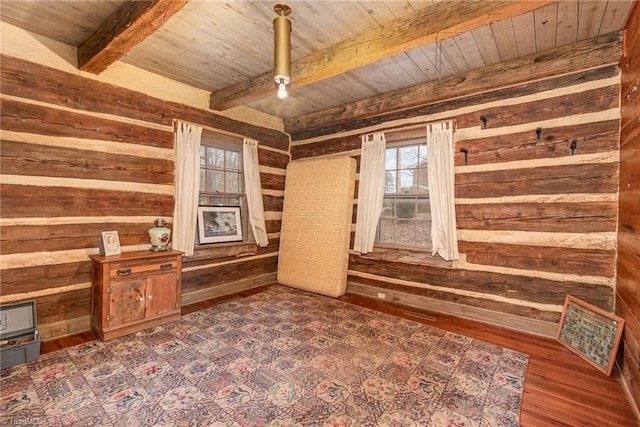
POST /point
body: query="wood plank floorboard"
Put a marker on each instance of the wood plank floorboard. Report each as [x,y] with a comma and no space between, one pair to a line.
[560,388]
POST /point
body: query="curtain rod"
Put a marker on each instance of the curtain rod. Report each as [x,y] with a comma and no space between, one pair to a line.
[208,129]
[421,125]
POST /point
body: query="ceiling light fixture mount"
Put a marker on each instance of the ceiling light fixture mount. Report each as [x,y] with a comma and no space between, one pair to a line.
[282,48]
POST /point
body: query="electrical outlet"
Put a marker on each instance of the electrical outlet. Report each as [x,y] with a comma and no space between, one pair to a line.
[59,331]
[381,295]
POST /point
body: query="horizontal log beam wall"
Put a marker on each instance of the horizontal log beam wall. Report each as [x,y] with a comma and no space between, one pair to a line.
[78,157]
[628,275]
[534,222]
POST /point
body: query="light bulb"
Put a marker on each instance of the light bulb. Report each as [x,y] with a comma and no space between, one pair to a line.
[282,91]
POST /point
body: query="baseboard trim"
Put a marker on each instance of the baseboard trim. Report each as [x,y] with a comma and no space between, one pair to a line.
[228,288]
[64,328]
[503,320]
[627,392]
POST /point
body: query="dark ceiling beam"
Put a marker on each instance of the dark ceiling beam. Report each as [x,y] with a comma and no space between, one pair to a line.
[582,55]
[124,29]
[444,20]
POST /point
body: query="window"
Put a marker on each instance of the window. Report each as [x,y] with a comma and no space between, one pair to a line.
[406,214]
[221,179]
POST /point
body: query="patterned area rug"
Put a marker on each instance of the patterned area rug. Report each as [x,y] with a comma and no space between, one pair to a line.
[282,357]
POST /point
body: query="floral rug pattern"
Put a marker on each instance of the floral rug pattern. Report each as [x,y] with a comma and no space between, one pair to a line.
[282,357]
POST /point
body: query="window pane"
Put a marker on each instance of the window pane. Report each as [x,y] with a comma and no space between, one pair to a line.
[203,155]
[406,207]
[387,208]
[390,182]
[408,156]
[405,232]
[391,159]
[233,182]
[407,184]
[422,181]
[386,231]
[204,200]
[215,157]
[203,180]
[217,201]
[233,160]
[424,210]
[210,182]
[423,154]
[219,181]
[234,201]
[215,181]
[423,233]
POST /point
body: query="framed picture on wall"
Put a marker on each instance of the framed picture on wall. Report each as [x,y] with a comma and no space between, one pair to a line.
[218,224]
[110,243]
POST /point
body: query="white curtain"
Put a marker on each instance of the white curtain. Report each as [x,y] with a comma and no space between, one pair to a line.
[253,190]
[370,191]
[187,151]
[440,170]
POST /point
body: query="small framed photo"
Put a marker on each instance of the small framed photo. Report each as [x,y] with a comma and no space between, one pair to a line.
[110,243]
[217,224]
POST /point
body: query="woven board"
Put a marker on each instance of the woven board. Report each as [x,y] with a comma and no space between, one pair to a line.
[316,225]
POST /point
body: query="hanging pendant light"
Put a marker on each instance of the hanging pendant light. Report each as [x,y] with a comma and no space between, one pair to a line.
[282,48]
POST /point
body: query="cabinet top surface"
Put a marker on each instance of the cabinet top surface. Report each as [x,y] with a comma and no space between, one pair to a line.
[125,256]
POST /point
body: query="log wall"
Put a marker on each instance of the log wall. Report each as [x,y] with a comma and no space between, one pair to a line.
[534,222]
[628,272]
[80,156]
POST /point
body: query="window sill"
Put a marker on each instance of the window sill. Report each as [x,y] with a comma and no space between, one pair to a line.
[406,256]
[224,250]
[224,245]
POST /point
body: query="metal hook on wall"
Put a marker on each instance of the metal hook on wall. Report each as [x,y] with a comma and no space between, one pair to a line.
[573,147]
[538,133]
[484,121]
[466,155]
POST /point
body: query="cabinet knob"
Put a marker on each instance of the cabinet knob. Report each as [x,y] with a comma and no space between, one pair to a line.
[141,298]
[150,297]
[165,267]
[123,272]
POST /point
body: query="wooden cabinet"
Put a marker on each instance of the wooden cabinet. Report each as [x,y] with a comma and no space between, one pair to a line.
[135,291]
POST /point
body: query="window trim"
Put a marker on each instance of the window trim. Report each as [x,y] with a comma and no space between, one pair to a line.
[225,141]
[413,140]
[407,255]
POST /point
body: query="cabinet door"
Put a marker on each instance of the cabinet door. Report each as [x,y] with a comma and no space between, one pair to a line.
[161,294]
[126,302]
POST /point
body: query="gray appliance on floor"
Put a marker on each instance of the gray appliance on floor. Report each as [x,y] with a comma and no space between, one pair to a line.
[19,338]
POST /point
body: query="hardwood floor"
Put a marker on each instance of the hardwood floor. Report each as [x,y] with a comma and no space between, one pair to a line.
[560,388]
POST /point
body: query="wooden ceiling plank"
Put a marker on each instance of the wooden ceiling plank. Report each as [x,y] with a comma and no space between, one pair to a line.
[615,15]
[487,46]
[423,27]
[577,56]
[423,62]
[525,34]
[567,28]
[124,29]
[505,39]
[545,27]
[457,60]
[590,17]
[469,48]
